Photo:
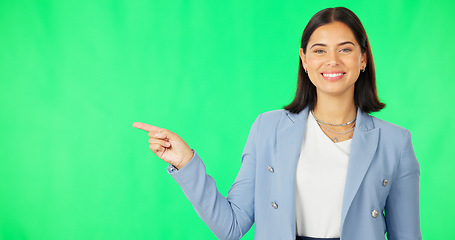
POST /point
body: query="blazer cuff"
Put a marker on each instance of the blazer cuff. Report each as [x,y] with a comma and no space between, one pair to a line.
[174,171]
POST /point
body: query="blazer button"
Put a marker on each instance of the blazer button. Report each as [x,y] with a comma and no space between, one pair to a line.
[270,169]
[274,205]
[385,182]
[375,213]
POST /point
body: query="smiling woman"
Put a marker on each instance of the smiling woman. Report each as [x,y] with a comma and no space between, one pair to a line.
[333,60]
[322,168]
[321,31]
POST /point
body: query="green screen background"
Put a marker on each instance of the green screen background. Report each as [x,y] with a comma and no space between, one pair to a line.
[74,76]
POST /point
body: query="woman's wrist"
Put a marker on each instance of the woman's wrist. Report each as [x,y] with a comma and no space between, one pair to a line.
[185,160]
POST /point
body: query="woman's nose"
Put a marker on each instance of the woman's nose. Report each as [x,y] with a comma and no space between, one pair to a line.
[332,59]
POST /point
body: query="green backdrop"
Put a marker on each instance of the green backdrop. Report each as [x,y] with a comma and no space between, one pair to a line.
[74,76]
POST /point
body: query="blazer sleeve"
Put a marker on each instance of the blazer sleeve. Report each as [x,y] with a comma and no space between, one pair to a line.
[402,206]
[230,217]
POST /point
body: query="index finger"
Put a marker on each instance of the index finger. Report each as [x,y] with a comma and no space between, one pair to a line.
[146,127]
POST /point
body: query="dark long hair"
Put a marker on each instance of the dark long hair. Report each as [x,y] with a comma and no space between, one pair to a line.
[365,92]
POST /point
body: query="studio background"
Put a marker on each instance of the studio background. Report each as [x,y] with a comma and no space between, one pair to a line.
[75,75]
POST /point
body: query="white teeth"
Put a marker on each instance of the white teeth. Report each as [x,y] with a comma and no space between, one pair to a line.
[332,74]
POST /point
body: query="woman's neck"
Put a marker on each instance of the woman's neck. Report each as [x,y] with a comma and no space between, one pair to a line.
[335,109]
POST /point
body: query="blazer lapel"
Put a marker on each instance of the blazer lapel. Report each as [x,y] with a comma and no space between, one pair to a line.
[290,134]
[363,148]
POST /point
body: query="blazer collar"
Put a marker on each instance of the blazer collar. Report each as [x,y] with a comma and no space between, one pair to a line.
[364,121]
[295,117]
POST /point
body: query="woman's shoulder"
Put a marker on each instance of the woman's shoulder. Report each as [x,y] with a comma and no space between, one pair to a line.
[273,114]
[389,128]
[269,120]
[272,117]
[280,113]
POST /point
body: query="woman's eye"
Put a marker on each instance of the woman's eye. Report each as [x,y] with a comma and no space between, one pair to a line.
[345,50]
[319,51]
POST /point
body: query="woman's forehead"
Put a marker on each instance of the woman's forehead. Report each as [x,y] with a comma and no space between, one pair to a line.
[332,33]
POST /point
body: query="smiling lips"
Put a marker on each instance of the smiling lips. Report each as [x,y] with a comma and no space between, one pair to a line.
[333,76]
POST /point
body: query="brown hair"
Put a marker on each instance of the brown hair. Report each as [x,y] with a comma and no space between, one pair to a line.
[365,92]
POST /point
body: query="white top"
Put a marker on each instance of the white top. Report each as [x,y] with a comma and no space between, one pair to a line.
[320,180]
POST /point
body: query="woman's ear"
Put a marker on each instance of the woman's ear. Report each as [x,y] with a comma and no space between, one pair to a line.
[363,61]
[302,58]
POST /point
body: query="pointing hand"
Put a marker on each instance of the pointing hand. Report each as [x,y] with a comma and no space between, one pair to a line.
[167,145]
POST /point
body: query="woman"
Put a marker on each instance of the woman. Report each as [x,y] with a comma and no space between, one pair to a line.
[322,168]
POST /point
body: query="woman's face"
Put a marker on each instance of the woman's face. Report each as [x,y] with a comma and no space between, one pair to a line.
[333,59]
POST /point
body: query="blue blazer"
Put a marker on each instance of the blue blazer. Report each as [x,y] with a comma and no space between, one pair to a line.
[264,190]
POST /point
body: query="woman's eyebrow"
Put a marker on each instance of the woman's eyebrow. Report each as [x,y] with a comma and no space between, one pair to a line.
[339,44]
[347,42]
